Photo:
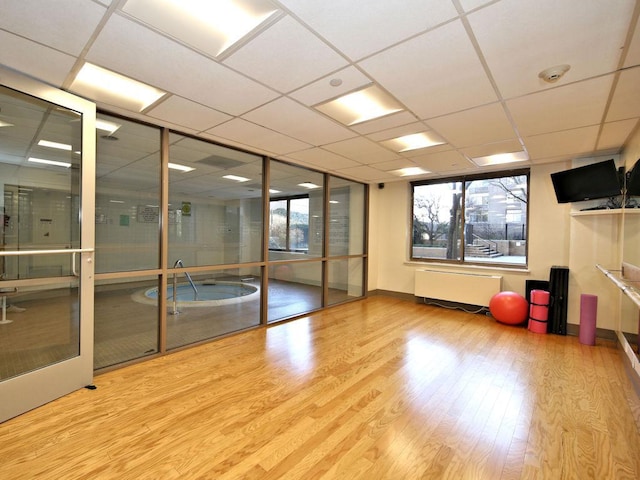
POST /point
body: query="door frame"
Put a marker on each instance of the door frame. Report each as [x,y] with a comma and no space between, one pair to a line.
[35,388]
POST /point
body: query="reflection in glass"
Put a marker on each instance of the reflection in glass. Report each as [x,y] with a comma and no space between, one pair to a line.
[345,280]
[295,212]
[294,288]
[127,195]
[40,162]
[215,204]
[40,327]
[209,304]
[125,329]
[346,217]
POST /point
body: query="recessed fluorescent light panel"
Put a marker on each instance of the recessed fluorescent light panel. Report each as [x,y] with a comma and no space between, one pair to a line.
[56,145]
[107,126]
[5,124]
[415,141]
[181,168]
[273,190]
[357,107]
[405,172]
[102,85]
[49,162]
[308,185]
[211,26]
[501,158]
[235,178]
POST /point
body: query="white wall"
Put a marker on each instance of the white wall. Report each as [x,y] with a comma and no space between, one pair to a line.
[555,238]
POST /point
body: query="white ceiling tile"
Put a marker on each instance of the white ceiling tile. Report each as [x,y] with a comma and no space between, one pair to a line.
[395,165]
[35,59]
[575,105]
[626,98]
[360,29]
[633,55]
[256,136]
[321,158]
[569,142]
[66,25]
[366,174]
[321,90]
[194,116]
[485,124]
[236,144]
[450,161]
[302,55]
[615,134]
[521,38]
[177,70]
[361,150]
[289,117]
[443,63]
[468,5]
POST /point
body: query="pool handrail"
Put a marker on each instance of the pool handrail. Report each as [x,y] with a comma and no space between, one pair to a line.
[175,286]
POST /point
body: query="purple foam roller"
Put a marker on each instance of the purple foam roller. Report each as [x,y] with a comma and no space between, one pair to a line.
[588,315]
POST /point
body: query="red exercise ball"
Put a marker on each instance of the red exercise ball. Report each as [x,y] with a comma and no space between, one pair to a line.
[509,307]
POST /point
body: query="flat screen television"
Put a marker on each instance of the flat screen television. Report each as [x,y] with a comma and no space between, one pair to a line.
[633,180]
[598,180]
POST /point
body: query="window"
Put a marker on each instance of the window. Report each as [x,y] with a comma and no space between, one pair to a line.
[289,224]
[479,219]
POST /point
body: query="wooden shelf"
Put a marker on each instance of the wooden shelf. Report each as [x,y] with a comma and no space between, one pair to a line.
[606,211]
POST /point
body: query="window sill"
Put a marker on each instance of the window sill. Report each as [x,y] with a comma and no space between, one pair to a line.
[458,266]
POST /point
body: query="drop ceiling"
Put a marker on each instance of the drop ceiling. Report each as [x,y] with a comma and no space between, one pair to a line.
[464,70]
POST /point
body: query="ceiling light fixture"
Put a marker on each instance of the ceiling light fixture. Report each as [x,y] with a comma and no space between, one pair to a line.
[211,27]
[357,107]
[49,162]
[103,85]
[236,178]
[273,190]
[414,141]
[501,158]
[56,145]
[405,172]
[5,124]
[107,126]
[181,168]
[308,185]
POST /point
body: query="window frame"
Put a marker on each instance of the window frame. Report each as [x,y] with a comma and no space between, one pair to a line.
[288,199]
[464,179]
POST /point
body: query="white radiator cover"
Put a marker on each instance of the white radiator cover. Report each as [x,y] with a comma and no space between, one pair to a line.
[469,288]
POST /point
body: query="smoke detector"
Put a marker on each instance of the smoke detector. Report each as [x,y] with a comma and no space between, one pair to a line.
[553,74]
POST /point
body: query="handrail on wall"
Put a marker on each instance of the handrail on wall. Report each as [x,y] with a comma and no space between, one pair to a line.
[627,289]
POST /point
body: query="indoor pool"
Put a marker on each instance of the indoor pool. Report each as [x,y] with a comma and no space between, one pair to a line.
[210,293]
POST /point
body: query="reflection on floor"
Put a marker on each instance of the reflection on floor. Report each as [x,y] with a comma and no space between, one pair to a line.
[127,330]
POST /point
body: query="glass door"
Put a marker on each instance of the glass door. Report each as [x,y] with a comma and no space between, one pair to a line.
[47,170]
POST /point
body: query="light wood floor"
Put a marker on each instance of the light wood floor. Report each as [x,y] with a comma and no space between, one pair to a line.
[378,389]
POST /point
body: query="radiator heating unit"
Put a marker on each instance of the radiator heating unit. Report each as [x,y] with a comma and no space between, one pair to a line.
[466,288]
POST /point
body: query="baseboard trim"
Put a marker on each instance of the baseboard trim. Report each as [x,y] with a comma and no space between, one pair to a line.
[389,293]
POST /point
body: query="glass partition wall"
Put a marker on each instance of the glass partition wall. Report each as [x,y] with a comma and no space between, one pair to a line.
[189,247]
